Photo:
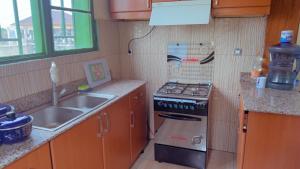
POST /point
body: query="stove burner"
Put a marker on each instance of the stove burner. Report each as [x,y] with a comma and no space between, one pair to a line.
[200,90]
[196,91]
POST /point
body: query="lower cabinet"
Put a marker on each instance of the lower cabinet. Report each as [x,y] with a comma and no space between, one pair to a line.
[138,120]
[268,141]
[38,159]
[79,148]
[116,135]
[113,139]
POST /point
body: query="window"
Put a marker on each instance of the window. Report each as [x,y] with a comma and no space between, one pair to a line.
[35,29]
[18,28]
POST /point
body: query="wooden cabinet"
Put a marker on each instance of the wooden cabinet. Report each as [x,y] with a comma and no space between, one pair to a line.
[271,141]
[241,136]
[138,122]
[116,137]
[38,159]
[130,9]
[240,8]
[113,139]
[78,148]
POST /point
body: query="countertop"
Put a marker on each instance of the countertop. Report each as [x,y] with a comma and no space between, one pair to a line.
[10,153]
[268,100]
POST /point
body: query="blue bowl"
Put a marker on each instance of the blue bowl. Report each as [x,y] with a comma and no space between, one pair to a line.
[17,133]
[4,108]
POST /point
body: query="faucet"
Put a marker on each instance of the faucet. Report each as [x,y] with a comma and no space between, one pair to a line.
[55,95]
[54,80]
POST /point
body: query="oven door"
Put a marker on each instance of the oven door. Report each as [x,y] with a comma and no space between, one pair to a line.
[184,131]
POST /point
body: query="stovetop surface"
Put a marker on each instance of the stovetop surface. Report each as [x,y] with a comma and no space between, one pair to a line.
[181,90]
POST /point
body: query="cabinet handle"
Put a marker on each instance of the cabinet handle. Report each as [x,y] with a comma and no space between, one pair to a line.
[132,119]
[100,134]
[148,4]
[107,118]
[216,2]
[244,128]
[135,97]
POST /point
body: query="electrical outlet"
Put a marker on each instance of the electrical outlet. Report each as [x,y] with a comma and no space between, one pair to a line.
[237,52]
[129,51]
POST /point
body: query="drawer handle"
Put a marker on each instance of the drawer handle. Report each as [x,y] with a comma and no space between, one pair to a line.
[216,2]
[135,97]
[107,118]
[100,134]
[132,119]
[148,4]
[245,129]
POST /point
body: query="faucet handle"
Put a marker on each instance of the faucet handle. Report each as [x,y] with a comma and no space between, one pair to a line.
[62,92]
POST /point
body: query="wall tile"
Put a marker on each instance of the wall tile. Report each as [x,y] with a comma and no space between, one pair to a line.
[218,135]
[149,63]
[26,78]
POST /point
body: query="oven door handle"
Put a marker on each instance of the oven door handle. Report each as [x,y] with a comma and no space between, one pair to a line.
[179,117]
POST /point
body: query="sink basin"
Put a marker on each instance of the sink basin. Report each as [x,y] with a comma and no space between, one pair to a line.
[86,101]
[52,118]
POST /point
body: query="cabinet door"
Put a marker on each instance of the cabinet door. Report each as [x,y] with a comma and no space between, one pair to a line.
[240,3]
[138,122]
[116,138]
[130,5]
[241,136]
[79,148]
[241,8]
[272,142]
[38,159]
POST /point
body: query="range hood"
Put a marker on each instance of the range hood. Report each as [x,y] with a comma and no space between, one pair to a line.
[184,12]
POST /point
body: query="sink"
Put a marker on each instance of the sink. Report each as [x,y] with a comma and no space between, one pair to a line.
[86,101]
[52,118]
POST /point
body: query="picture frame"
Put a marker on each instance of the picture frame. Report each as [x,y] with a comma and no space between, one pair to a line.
[97,72]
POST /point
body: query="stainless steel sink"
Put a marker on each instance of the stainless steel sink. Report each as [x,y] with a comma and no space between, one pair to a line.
[52,118]
[86,101]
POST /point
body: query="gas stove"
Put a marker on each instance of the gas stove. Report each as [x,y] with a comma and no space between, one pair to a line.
[183,134]
[199,91]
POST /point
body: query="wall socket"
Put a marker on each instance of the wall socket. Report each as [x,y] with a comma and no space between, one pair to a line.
[238,52]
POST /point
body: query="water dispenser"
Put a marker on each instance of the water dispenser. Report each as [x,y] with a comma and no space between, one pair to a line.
[285,63]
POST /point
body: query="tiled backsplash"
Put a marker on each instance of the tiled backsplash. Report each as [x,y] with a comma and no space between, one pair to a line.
[148,62]
[27,78]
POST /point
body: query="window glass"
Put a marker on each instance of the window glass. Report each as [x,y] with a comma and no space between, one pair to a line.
[8,48]
[8,30]
[72,29]
[26,27]
[84,4]
[63,30]
[17,28]
[23,28]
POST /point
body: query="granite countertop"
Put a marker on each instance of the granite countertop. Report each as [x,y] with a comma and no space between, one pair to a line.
[10,153]
[268,100]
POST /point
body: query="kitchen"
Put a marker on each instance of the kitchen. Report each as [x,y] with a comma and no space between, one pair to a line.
[113,134]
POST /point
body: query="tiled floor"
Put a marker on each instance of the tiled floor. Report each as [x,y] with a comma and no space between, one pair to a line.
[216,160]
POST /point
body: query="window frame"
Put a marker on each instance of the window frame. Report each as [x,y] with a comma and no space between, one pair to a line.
[44,8]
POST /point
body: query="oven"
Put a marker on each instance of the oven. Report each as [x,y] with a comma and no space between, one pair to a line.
[185,131]
[182,138]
